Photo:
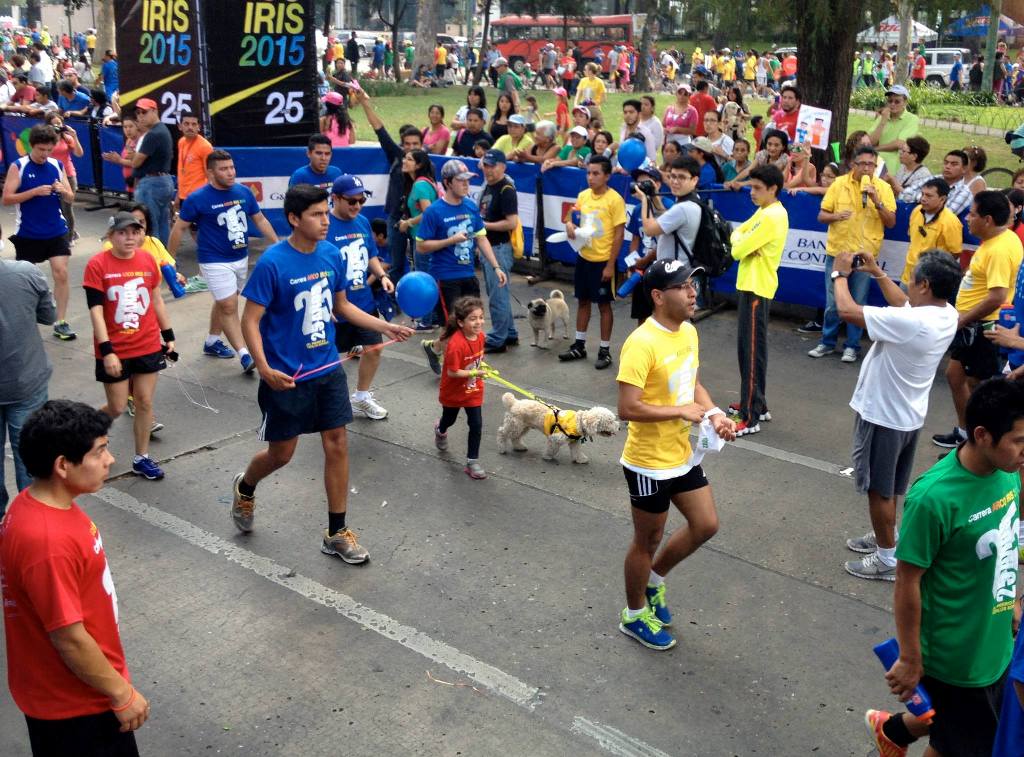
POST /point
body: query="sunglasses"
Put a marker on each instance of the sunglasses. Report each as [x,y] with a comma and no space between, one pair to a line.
[355,200]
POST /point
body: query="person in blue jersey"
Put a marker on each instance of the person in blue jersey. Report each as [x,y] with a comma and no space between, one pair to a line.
[319,172]
[450,230]
[222,209]
[35,185]
[295,287]
[352,234]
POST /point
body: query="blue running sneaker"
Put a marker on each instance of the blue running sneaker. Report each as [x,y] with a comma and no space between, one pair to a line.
[218,349]
[647,629]
[147,469]
[248,364]
[656,601]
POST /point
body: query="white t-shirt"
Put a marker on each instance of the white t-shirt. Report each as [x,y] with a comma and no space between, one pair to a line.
[644,128]
[683,218]
[897,374]
[653,125]
[726,143]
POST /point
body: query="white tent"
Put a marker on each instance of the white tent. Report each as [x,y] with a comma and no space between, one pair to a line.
[887,32]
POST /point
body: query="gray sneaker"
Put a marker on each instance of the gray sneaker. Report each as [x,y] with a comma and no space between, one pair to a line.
[433,359]
[62,330]
[241,507]
[440,440]
[849,355]
[370,408]
[344,545]
[865,544]
[821,350]
[871,567]
[475,470]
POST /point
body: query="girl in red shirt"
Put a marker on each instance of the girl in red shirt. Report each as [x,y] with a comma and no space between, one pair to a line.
[129,322]
[462,383]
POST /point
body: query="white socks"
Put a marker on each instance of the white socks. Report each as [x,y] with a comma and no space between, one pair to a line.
[359,396]
[581,336]
[242,353]
[634,614]
[605,345]
[655,579]
[211,340]
[887,556]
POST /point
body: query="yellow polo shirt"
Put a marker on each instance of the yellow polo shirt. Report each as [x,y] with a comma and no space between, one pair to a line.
[993,265]
[863,230]
[944,232]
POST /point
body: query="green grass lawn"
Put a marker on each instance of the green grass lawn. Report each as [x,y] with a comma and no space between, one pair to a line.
[412,108]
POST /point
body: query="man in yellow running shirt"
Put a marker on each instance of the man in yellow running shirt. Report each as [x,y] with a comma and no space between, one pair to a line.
[662,398]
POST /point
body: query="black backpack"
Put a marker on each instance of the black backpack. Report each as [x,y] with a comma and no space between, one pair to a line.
[712,248]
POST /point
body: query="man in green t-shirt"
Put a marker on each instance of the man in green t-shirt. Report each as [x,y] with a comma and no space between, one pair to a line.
[894,126]
[956,576]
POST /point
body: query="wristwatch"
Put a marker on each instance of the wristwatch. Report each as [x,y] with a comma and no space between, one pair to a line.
[839,275]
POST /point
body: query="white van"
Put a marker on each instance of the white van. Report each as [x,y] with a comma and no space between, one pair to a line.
[940,62]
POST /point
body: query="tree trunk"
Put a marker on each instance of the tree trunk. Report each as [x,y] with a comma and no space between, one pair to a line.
[428,24]
[481,54]
[990,45]
[105,22]
[826,43]
[643,78]
[905,10]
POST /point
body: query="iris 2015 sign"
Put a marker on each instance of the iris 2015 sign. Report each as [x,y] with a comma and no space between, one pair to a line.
[248,68]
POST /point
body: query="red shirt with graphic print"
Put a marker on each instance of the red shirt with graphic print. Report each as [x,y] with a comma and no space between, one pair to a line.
[128,287]
[462,355]
[54,574]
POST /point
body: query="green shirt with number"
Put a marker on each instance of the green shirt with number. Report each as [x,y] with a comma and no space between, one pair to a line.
[962,529]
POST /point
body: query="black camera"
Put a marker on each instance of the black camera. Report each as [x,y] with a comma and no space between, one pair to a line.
[644,185]
[857,262]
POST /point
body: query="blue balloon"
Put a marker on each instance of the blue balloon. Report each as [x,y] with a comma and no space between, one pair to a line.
[417,294]
[632,153]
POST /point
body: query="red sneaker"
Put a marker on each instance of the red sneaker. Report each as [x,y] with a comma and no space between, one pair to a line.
[874,719]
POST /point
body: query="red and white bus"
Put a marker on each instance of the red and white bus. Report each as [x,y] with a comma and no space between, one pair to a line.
[519,39]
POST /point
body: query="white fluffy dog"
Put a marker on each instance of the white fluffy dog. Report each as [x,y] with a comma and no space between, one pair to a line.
[571,426]
[544,313]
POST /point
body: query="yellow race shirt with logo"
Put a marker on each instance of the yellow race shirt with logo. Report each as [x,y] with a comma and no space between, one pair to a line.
[603,213]
[943,232]
[663,364]
[993,265]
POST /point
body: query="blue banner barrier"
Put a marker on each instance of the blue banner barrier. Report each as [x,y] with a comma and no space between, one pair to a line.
[111,139]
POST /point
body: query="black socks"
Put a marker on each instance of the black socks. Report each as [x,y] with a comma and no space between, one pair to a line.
[896,731]
[335,523]
[246,490]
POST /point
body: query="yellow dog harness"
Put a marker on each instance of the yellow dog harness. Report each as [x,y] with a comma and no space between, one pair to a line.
[562,421]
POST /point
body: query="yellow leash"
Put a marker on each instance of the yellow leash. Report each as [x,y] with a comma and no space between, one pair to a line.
[492,373]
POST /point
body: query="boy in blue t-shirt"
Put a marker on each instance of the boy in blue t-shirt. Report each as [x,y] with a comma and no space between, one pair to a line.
[221,210]
[1010,733]
[451,228]
[352,235]
[319,172]
[295,287]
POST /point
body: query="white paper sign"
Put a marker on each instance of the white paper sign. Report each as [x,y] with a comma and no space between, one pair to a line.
[812,126]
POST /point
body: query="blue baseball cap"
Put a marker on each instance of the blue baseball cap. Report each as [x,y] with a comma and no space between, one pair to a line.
[348,185]
[493,157]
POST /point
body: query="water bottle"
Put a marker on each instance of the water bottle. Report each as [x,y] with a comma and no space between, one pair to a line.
[171,277]
[920,704]
[629,284]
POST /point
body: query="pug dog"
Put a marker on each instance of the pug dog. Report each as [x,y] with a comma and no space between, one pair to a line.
[544,313]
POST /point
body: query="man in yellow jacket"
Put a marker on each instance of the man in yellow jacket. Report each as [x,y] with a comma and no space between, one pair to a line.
[932,226]
[757,244]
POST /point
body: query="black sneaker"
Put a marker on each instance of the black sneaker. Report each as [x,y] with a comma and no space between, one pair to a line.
[950,440]
[604,358]
[811,327]
[492,349]
[578,351]
[513,342]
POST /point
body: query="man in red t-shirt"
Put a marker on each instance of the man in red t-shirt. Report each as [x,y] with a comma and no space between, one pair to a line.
[65,665]
[702,102]
[786,120]
[917,73]
[122,289]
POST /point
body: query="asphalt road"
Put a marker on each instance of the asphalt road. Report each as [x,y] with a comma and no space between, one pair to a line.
[486,621]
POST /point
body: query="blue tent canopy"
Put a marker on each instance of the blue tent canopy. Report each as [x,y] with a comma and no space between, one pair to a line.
[976,24]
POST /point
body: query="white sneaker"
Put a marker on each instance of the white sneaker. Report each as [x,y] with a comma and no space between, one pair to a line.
[849,355]
[370,408]
[821,350]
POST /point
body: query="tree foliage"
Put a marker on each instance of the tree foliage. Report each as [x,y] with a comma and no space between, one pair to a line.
[391,13]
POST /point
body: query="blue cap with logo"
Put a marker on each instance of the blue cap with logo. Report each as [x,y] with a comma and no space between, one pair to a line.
[348,185]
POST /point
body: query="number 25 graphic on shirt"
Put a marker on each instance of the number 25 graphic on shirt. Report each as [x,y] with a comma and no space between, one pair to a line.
[681,383]
[463,250]
[357,260]
[998,543]
[237,225]
[132,300]
[316,304]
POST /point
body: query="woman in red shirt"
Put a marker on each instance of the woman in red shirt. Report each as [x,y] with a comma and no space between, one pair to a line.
[462,383]
[129,321]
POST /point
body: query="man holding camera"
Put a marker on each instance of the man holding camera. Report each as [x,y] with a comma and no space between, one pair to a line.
[891,398]
[856,208]
[988,284]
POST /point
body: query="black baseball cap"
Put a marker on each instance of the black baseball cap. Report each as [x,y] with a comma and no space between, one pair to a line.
[665,274]
[123,220]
